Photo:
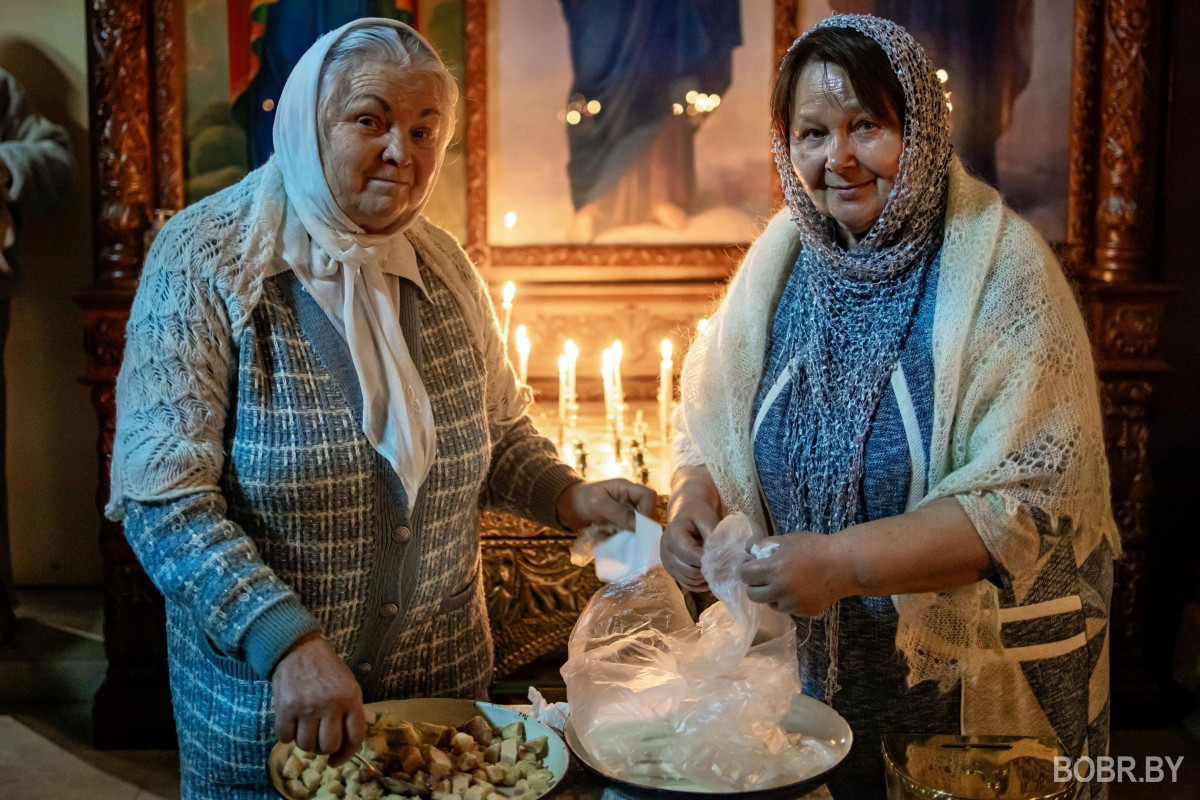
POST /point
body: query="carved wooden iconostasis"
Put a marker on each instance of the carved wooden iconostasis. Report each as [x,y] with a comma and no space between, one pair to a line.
[596,285]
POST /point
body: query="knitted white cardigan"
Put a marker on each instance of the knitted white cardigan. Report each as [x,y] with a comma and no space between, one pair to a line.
[1016,421]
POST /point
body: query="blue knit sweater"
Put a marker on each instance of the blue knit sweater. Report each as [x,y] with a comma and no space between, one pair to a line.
[309,529]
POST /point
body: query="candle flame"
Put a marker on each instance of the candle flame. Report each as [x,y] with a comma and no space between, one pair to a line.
[510,291]
[702,326]
[666,349]
[571,350]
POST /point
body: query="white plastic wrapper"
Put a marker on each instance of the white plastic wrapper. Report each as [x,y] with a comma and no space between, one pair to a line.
[618,554]
[653,694]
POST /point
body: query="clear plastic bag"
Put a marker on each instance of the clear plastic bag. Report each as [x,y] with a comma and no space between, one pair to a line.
[654,695]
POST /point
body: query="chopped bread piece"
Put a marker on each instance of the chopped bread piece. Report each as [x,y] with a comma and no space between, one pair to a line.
[467,762]
[292,768]
[480,730]
[539,746]
[438,763]
[492,753]
[430,733]
[403,733]
[508,751]
[411,759]
[297,789]
[463,743]
[515,730]
[312,778]
[496,773]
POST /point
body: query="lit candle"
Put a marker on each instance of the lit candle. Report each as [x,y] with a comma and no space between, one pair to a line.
[618,350]
[606,372]
[666,391]
[510,291]
[562,391]
[572,352]
[523,346]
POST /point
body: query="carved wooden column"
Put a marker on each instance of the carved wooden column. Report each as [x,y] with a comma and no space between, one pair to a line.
[131,51]
[1124,310]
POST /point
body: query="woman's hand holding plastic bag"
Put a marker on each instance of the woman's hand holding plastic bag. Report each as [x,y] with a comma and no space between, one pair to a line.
[652,693]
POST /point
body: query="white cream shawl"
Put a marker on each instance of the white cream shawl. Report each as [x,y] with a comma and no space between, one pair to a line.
[344,271]
[1016,421]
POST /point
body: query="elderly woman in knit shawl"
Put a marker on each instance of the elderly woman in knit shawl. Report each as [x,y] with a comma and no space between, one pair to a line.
[899,386]
[313,404]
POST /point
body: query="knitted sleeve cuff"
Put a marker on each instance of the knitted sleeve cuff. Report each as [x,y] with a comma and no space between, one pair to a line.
[543,498]
[274,631]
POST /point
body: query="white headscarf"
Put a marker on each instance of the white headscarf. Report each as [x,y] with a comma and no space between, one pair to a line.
[344,272]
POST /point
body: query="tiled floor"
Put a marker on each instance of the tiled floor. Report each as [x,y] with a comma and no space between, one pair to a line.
[51,669]
[48,674]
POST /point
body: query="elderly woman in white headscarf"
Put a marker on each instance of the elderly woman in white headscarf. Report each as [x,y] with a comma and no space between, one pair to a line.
[313,405]
[898,385]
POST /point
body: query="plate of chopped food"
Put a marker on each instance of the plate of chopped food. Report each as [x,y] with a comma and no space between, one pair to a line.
[431,749]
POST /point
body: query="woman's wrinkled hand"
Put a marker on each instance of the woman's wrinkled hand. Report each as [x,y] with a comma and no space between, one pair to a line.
[612,501]
[691,520]
[318,703]
[804,577]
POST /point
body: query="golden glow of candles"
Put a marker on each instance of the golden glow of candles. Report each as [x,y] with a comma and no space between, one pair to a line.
[943,76]
[510,220]
[510,291]
[666,390]
[702,326]
[523,347]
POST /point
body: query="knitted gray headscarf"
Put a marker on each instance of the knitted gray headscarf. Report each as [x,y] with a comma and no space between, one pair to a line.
[858,304]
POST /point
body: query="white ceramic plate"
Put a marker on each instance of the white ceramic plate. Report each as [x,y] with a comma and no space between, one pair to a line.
[445,711]
[807,716]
